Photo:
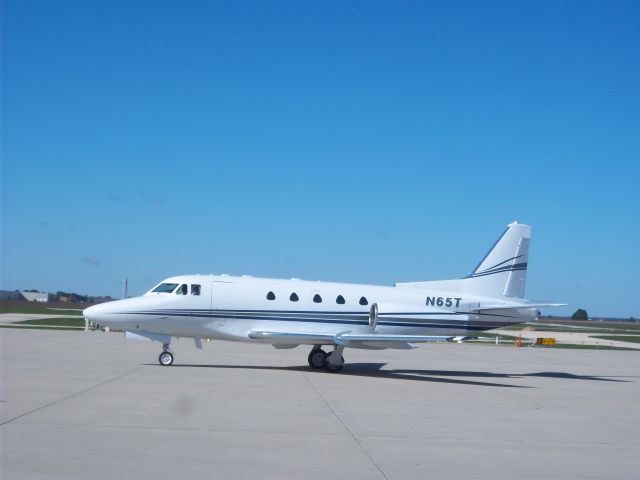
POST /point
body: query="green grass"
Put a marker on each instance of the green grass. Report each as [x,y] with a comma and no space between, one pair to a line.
[585,323]
[38,309]
[621,338]
[26,327]
[576,330]
[53,322]
[585,327]
[584,347]
[66,313]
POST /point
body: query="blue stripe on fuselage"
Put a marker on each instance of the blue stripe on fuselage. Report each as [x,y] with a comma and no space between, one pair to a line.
[333,318]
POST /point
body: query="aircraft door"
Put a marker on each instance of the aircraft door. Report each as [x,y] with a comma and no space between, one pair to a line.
[199,299]
[221,296]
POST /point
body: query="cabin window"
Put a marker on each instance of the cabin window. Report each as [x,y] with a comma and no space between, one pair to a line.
[363,301]
[340,300]
[182,290]
[294,297]
[165,288]
[195,289]
[271,296]
[317,298]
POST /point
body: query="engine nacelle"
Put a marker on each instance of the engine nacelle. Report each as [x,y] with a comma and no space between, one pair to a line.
[396,309]
[373,316]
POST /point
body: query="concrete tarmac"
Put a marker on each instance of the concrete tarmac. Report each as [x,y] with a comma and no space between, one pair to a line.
[90,405]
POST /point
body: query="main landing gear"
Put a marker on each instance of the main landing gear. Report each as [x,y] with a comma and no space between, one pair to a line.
[332,362]
[166,357]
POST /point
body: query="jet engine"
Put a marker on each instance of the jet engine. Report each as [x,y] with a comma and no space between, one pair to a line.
[373,317]
[394,309]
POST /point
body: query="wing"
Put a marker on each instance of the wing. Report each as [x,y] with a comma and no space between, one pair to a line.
[294,338]
[372,341]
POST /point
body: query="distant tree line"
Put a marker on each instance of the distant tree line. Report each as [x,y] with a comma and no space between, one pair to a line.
[580,314]
[70,297]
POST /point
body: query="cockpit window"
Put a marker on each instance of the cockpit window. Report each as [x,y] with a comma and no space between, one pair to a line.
[182,290]
[195,289]
[165,288]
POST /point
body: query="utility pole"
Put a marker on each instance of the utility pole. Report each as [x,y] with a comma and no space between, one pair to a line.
[126,288]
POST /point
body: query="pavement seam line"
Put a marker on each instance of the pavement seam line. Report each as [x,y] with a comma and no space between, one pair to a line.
[60,400]
[344,425]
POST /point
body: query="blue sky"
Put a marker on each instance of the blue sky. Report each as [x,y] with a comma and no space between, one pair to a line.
[364,142]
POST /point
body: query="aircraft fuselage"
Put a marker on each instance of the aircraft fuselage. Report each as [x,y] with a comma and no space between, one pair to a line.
[228,308]
[288,313]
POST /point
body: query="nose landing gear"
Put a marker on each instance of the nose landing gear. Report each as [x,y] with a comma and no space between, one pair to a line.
[166,357]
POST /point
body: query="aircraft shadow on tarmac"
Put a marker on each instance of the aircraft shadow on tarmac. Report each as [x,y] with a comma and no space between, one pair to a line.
[440,376]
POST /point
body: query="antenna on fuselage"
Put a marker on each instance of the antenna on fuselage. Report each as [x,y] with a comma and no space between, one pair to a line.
[126,288]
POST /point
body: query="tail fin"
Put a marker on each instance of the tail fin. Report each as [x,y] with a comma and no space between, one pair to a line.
[503,270]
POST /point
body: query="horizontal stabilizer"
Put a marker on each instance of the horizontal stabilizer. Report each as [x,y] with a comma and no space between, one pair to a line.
[511,306]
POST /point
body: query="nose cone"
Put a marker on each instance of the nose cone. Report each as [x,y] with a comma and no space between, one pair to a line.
[94,313]
[119,314]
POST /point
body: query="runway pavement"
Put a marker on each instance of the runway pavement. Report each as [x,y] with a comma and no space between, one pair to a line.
[90,405]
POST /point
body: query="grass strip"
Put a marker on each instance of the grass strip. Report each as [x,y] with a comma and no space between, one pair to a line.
[41,308]
[38,327]
[585,347]
[620,338]
[53,322]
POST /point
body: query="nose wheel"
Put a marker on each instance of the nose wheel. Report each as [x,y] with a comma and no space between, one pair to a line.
[166,357]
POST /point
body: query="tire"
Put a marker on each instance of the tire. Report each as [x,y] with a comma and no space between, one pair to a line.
[165,359]
[333,368]
[317,359]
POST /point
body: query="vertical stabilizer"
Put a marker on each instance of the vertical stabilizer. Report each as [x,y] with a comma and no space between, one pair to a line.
[503,269]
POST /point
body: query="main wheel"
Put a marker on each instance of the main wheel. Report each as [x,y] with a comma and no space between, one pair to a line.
[333,368]
[165,359]
[317,358]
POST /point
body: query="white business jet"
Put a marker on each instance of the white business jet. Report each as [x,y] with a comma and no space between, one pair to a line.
[288,313]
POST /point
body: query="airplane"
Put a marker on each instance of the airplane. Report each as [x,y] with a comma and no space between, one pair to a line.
[289,313]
